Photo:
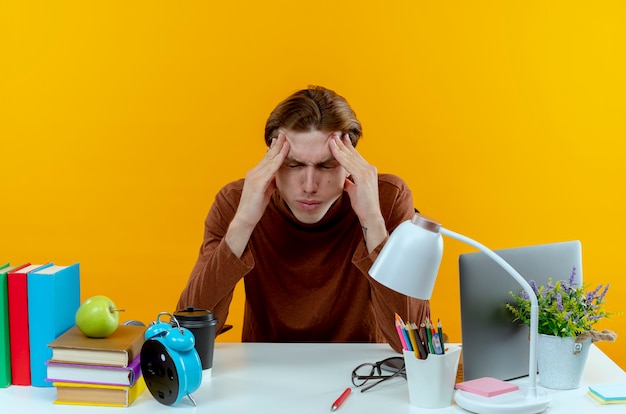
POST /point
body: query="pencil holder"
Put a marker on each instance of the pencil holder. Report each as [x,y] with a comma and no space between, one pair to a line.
[431,380]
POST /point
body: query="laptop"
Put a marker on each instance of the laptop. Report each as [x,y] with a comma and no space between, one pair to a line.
[493,345]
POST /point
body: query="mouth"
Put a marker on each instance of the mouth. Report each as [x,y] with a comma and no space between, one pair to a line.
[308,204]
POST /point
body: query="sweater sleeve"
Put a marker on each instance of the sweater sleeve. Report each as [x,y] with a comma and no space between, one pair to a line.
[217,270]
[397,206]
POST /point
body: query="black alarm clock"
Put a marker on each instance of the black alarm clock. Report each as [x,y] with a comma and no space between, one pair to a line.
[170,364]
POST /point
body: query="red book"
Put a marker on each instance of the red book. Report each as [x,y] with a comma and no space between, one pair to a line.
[17,289]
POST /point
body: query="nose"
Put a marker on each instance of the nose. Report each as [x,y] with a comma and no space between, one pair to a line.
[309,183]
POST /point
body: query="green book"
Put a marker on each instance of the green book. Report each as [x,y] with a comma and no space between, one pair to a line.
[5,347]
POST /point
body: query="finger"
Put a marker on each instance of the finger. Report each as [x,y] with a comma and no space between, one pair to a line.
[337,145]
[347,140]
[346,154]
[343,143]
[349,186]
[276,146]
[284,146]
[341,153]
[276,157]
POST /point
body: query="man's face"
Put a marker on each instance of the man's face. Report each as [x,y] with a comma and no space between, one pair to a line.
[310,179]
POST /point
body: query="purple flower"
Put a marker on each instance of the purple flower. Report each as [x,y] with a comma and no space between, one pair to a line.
[594,293]
[533,285]
[564,304]
[601,297]
[570,281]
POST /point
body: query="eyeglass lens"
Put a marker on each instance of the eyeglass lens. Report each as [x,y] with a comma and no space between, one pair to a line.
[368,371]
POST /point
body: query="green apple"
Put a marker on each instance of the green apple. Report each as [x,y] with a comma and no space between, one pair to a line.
[97,317]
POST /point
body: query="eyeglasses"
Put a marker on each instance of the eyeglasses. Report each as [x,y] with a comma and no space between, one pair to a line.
[374,371]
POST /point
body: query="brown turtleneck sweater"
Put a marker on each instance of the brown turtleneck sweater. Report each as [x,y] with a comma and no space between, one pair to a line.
[303,282]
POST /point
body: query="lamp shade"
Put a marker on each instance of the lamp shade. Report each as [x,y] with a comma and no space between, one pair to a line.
[409,261]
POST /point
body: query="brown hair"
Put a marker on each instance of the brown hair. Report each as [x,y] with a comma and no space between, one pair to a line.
[315,108]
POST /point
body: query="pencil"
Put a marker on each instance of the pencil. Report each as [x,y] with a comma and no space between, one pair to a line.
[414,341]
[425,337]
[400,328]
[440,330]
[429,335]
[420,344]
[341,399]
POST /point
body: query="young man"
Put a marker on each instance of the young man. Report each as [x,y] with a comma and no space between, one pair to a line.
[302,229]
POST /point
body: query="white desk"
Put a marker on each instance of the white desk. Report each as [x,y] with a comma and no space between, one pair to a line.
[301,378]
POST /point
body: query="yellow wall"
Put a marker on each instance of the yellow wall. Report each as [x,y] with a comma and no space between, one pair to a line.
[119,121]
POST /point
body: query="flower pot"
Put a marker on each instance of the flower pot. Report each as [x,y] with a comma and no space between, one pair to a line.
[561,361]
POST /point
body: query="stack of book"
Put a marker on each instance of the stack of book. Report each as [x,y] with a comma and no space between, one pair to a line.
[608,393]
[97,371]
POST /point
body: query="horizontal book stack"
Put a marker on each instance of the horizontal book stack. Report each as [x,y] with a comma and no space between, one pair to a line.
[97,371]
[38,302]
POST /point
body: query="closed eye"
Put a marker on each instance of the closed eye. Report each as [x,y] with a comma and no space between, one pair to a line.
[327,165]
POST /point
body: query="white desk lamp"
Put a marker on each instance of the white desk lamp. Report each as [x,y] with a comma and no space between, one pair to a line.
[408,264]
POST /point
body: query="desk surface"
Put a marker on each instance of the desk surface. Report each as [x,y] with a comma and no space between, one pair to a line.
[302,378]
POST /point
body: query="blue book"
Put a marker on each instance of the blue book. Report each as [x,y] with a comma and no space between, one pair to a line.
[53,299]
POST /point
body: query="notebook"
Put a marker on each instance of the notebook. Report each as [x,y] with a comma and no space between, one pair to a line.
[493,345]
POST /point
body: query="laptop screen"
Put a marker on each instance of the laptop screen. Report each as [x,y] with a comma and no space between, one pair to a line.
[493,345]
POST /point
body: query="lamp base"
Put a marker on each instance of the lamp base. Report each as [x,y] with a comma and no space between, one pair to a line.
[516,402]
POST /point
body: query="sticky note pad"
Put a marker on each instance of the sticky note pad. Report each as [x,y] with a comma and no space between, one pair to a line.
[487,386]
[609,392]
